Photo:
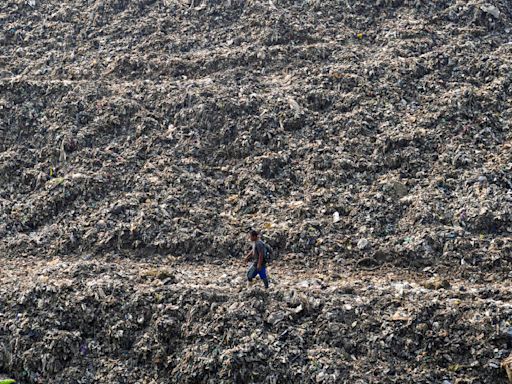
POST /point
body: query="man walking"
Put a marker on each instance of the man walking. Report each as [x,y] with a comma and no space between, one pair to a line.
[259,256]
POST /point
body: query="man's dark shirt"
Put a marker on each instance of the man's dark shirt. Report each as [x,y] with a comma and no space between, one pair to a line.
[257,248]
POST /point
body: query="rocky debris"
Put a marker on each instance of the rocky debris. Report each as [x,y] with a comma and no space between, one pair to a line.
[110,321]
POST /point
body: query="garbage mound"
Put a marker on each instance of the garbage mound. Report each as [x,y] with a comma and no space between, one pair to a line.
[91,321]
[369,141]
[342,129]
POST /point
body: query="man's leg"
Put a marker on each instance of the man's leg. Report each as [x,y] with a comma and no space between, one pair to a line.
[251,273]
[263,276]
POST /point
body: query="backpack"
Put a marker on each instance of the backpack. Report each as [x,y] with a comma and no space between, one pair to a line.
[269,253]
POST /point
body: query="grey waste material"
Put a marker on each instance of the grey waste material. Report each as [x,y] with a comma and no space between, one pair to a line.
[322,123]
[170,322]
[371,136]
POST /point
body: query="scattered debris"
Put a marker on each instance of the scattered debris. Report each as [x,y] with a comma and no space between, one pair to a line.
[364,138]
[507,364]
[490,9]
[180,143]
[105,321]
[362,244]
[436,283]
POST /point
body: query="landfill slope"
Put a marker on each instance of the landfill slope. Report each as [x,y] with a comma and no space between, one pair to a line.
[134,322]
[160,127]
[361,137]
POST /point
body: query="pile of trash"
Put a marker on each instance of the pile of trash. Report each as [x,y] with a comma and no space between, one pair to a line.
[111,321]
[364,136]
[341,129]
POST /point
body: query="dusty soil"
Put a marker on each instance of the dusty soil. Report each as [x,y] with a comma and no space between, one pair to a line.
[369,140]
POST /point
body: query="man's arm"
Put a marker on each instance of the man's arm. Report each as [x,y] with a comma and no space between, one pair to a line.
[248,256]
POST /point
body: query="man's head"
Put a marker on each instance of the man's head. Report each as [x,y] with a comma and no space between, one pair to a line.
[253,235]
